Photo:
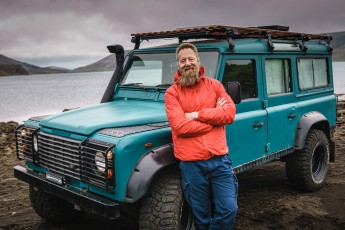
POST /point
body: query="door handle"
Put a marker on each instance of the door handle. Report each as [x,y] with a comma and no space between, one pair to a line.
[291,116]
[258,125]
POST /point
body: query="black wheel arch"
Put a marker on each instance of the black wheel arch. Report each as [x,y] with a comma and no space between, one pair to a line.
[146,169]
[308,121]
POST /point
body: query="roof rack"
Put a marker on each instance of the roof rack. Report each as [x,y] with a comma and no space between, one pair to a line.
[229,33]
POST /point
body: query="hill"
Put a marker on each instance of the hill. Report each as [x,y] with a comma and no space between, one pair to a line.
[106,64]
[9,66]
[338,44]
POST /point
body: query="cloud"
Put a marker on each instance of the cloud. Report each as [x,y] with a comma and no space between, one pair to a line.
[46,29]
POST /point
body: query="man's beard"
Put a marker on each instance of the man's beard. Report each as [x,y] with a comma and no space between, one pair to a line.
[189,79]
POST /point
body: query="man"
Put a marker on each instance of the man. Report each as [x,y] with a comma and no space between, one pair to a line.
[198,108]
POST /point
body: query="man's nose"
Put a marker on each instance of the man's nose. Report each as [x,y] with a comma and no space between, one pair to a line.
[188,62]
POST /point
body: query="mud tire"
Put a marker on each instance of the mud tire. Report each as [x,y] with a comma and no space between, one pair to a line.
[306,169]
[164,207]
[52,208]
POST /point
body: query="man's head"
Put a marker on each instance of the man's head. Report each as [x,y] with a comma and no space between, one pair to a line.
[188,63]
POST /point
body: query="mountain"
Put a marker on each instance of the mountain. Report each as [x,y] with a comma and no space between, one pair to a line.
[338,45]
[106,64]
[9,66]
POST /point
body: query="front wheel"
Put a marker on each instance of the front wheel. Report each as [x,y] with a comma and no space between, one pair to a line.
[51,208]
[164,207]
[307,169]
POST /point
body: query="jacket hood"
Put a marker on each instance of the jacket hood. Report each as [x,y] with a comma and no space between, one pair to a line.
[201,71]
[88,120]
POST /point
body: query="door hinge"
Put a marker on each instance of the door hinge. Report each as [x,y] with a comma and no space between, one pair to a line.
[267,147]
[264,104]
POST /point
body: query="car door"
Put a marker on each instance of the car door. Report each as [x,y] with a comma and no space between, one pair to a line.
[247,136]
[280,103]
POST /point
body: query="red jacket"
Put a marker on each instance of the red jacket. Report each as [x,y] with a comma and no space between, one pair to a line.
[205,137]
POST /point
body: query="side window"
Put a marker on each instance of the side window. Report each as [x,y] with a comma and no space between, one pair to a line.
[242,71]
[312,73]
[278,77]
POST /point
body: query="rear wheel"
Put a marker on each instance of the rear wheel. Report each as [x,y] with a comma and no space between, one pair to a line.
[52,208]
[164,207]
[307,169]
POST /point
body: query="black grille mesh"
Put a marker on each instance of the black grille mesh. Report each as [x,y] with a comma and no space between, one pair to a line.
[68,157]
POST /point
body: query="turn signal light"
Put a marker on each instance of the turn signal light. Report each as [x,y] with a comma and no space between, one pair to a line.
[24,148]
[110,174]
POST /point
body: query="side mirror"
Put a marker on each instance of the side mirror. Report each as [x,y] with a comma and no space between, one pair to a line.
[233,88]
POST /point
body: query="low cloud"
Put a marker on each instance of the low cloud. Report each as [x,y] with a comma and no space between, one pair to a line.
[45,29]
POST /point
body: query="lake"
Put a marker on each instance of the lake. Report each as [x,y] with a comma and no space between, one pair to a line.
[22,97]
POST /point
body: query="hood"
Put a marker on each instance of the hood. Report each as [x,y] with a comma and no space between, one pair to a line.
[88,120]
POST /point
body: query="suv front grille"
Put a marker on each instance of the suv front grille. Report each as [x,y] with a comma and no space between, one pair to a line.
[59,155]
[90,161]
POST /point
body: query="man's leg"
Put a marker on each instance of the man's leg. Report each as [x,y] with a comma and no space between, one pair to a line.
[195,186]
[224,187]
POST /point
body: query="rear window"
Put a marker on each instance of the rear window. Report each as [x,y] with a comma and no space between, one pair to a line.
[312,73]
[278,77]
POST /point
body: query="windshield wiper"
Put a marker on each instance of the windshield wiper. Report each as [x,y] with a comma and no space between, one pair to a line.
[163,85]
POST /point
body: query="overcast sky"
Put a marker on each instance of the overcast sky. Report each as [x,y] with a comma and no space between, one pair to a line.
[75,33]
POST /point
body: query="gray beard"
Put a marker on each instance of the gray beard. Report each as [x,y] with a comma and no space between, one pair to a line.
[189,79]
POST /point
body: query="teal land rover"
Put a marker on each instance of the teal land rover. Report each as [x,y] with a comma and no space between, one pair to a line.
[116,158]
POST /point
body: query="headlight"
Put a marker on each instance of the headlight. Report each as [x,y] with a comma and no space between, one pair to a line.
[100,161]
[35,142]
[23,132]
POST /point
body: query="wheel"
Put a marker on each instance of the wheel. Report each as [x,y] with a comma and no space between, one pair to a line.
[164,207]
[306,169]
[52,208]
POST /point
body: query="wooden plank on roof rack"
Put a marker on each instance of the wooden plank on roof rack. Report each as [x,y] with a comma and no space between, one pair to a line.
[243,32]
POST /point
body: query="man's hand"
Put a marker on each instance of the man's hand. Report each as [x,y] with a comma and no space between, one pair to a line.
[192,116]
[221,102]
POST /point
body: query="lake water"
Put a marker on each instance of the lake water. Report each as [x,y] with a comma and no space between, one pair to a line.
[22,97]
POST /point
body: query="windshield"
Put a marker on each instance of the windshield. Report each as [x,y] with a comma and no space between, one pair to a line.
[156,69]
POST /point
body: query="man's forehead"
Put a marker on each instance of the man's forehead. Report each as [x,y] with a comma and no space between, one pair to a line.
[185,53]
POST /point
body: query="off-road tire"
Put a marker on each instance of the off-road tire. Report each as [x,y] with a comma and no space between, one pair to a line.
[52,208]
[164,207]
[306,169]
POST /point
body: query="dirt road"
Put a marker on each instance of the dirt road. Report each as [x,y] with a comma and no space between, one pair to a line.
[266,200]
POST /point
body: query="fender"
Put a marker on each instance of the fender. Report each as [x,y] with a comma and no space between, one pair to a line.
[304,125]
[145,170]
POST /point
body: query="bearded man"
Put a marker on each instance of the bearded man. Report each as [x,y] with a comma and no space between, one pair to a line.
[198,108]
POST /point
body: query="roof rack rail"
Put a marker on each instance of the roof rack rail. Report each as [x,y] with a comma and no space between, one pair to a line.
[228,33]
[274,27]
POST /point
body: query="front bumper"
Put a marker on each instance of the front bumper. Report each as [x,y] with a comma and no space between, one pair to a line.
[90,202]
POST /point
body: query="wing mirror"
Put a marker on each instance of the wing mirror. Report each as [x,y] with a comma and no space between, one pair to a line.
[233,88]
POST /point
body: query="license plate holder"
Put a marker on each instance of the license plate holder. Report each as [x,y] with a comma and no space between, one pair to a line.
[55,178]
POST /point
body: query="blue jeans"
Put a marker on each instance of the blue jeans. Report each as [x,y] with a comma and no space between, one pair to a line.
[210,187]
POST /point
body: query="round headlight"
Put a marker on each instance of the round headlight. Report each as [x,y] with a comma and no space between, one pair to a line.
[100,161]
[23,132]
[35,143]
